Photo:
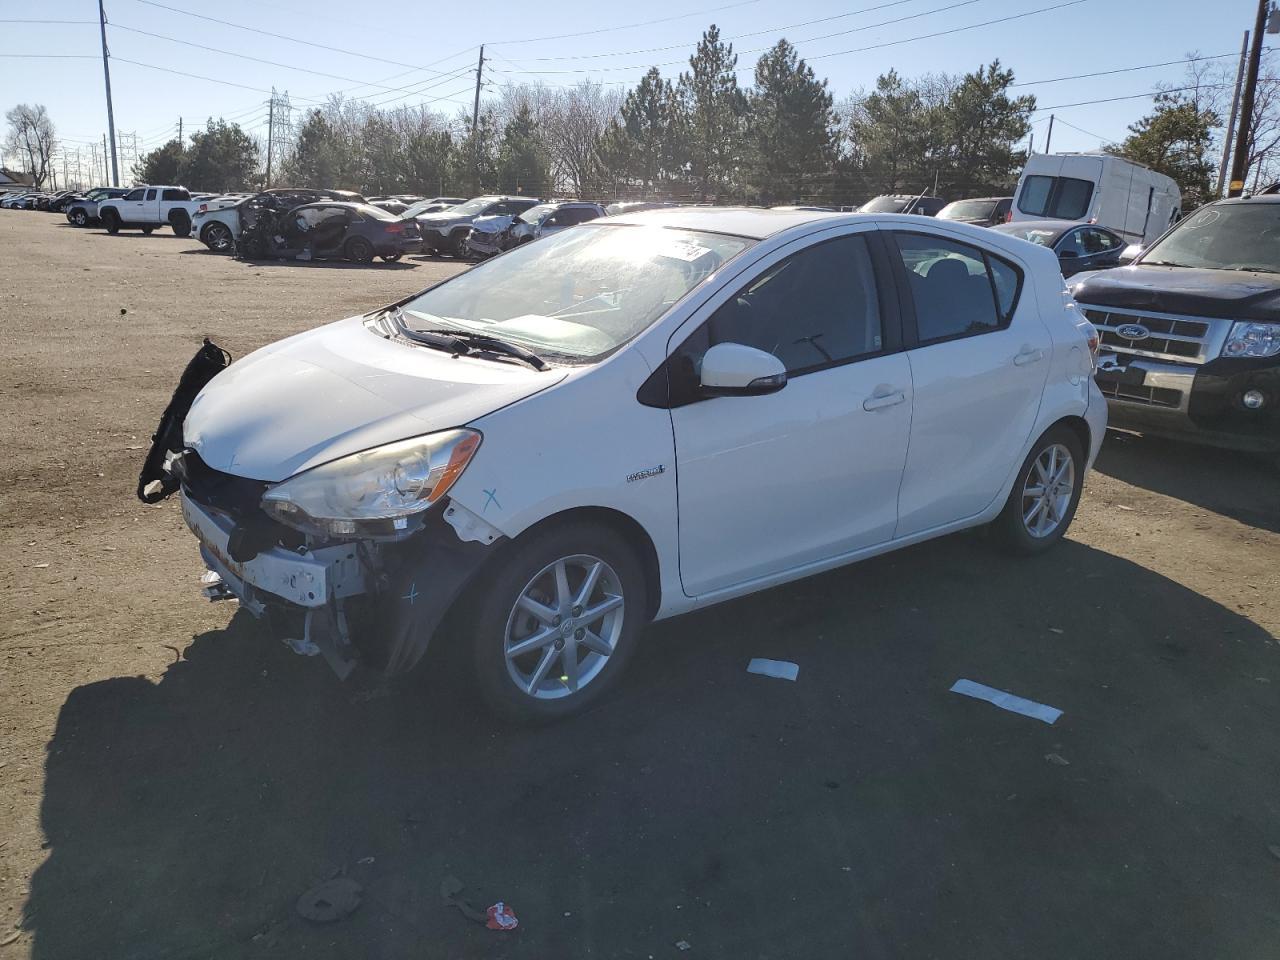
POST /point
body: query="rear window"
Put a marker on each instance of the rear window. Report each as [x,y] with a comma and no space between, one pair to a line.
[175,195]
[375,213]
[1059,198]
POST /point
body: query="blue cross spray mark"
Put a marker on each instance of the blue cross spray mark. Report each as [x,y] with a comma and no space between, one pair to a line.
[491,496]
[412,595]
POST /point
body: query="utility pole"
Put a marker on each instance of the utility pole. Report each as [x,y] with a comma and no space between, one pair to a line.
[271,135]
[475,110]
[1231,124]
[179,131]
[111,118]
[1049,136]
[1240,163]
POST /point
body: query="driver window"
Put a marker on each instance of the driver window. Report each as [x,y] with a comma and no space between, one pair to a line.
[815,309]
[1097,241]
[151,194]
[135,195]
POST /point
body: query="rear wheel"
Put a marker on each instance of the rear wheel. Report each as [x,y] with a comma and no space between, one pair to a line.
[111,220]
[554,626]
[359,249]
[180,220]
[217,236]
[1044,498]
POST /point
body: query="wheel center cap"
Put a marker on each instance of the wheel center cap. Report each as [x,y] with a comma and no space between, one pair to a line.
[566,629]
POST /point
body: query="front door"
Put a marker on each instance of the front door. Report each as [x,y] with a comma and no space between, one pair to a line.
[979,363]
[771,483]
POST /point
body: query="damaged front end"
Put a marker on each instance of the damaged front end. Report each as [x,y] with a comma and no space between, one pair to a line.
[358,560]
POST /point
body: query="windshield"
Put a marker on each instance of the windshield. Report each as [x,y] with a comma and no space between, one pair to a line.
[886,205]
[1230,236]
[968,210]
[579,294]
[470,207]
[534,214]
[1040,235]
[421,207]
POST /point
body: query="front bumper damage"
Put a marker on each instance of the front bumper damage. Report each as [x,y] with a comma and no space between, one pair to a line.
[374,603]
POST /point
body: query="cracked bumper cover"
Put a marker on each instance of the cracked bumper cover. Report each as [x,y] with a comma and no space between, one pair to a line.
[367,602]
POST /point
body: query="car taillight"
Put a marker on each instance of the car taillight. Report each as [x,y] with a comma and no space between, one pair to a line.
[203,208]
[1008,217]
[395,228]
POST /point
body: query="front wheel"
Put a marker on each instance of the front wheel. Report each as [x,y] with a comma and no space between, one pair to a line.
[553,628]
[1044,498]
[79,218]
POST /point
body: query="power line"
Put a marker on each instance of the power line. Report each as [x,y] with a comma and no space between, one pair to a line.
[283,36]
[194,76]
[1083,130]
[625,26]
[1107,73]
[89,22]
[1135,96]
[50,56]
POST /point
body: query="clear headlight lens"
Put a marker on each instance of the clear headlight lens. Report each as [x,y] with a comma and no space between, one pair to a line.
[375,490]
[1251,339]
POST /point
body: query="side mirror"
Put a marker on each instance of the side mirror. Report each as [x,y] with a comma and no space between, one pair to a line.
[1130,254]
[736,370]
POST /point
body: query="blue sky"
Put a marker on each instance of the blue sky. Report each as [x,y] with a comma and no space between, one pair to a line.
[415,52]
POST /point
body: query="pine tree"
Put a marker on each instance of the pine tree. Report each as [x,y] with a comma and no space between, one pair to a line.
[791,141]
[710,119]
[523,166]
[221,157]
[162,165]
[1175,139]
[980,125]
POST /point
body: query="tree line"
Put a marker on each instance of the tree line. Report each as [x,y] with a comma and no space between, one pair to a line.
[701,136]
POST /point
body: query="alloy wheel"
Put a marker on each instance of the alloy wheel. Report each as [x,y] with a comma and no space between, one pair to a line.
[1047,490]
[564,627]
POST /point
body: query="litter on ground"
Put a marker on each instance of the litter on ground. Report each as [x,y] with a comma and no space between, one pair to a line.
[1007,701]
[778,669]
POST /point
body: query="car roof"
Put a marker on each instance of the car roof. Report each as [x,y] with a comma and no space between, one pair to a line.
[1256,198]
[750,222]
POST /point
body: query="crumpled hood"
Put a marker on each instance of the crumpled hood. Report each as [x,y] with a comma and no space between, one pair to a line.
[338,390]
[494,224]
[1206,293]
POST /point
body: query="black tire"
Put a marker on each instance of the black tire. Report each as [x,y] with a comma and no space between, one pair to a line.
[79,217]
[148,230]
[217,236]
[180,220]
[359,250]
[457,244]
[111,220]
[391,257]
[1012,526]
[492,601]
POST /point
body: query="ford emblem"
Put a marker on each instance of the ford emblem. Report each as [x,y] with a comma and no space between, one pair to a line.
[1133,331]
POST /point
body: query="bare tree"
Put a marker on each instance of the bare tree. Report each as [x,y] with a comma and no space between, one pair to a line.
[575,121]
[31,134]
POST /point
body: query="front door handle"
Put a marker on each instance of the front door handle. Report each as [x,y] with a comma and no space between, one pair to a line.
[1028,355]
[881,401]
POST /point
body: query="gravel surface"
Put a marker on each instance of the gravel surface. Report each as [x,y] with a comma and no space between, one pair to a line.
[171,780]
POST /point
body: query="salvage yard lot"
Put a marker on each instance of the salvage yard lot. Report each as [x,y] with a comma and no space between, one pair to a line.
[171,780]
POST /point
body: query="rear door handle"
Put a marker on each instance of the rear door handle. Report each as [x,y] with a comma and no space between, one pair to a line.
[884,400]
[1028,355]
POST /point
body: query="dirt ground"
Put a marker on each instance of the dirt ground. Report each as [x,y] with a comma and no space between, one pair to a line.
[171,780]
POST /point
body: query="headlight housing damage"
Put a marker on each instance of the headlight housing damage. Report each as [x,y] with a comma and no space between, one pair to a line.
[1252,339]
[374,492]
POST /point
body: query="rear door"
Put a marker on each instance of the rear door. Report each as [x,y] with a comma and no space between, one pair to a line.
[979,357]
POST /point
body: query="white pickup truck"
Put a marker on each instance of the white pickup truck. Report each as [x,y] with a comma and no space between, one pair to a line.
[149,207]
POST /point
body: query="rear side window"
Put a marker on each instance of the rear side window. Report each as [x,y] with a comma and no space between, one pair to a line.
[957,290]
[1060,198]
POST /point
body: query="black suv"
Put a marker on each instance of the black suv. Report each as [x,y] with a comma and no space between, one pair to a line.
[1190,329]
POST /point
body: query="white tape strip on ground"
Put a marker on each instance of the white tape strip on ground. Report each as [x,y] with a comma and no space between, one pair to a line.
[1007,701]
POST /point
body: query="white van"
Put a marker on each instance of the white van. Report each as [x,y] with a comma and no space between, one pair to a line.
[1133,200]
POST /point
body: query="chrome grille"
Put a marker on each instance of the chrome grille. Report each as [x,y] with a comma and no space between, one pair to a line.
[1193,340]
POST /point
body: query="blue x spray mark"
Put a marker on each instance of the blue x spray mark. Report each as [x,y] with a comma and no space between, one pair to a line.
[491,496]
[412,595]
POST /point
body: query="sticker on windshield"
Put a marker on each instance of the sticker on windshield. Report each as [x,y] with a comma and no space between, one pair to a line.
[1204,218]
[685,250]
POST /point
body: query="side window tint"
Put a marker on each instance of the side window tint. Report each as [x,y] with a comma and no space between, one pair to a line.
[135,195]
[814,309]
[151,194]
[1008,281]
[1071,243]
[175,195]
[953,291]
[1096,241]
[1034,197]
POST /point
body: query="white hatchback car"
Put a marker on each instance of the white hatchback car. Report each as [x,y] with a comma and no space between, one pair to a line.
[628,420]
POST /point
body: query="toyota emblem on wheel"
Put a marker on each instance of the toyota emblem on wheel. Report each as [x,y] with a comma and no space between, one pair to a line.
[1133,331]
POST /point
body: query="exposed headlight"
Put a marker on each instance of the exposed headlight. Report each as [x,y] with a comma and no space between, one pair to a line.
[375,491]
[1250,339]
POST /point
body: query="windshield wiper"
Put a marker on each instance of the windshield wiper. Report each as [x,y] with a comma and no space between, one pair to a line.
[1162,263]
[481,343]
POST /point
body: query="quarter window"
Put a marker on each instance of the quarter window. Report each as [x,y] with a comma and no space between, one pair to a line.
[1060,198]
[814,309]
[957,290]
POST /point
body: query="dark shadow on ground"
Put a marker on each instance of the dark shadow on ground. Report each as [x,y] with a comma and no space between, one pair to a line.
[862,811]
[1243,486]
